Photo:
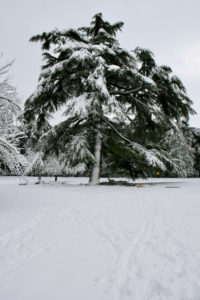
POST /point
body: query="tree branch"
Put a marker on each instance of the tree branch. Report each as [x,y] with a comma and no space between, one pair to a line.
[10,101]
[118,133]
[126,92]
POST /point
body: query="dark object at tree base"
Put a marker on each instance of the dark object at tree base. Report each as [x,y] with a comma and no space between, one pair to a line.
[172,187]
[120,182]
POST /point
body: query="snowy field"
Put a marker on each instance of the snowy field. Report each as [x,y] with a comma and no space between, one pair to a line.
[76,242]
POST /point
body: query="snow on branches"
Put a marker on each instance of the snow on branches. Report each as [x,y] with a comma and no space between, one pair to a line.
[103,89]
[11,161]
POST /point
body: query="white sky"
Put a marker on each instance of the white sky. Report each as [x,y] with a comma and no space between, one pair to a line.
[170,29]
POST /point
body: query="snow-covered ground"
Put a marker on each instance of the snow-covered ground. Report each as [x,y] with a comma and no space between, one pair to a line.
[76,242]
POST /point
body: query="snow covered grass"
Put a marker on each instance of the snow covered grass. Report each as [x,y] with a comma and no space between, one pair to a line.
[76,242]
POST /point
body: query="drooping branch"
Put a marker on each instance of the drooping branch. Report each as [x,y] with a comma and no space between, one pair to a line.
[135,146]
[118,133]
[125,92]
[11,102]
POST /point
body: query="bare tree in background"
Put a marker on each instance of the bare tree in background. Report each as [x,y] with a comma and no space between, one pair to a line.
[11,161]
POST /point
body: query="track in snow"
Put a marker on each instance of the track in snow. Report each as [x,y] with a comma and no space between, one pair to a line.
[113,243]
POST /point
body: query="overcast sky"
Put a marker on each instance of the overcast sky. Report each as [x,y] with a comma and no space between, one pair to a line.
[169,28]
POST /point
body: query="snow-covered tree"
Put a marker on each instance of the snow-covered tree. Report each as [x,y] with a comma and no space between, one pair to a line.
[103,91]
[39,166]
[171,98]
[35,165]
[11,161]
[157,130]
[54,167]
[192,136]
[181,151]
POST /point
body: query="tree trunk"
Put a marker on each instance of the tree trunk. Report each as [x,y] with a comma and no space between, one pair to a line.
[95,172]
[56,177]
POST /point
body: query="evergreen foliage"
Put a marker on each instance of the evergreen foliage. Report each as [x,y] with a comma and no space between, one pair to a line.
[108,94]
[192,137]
